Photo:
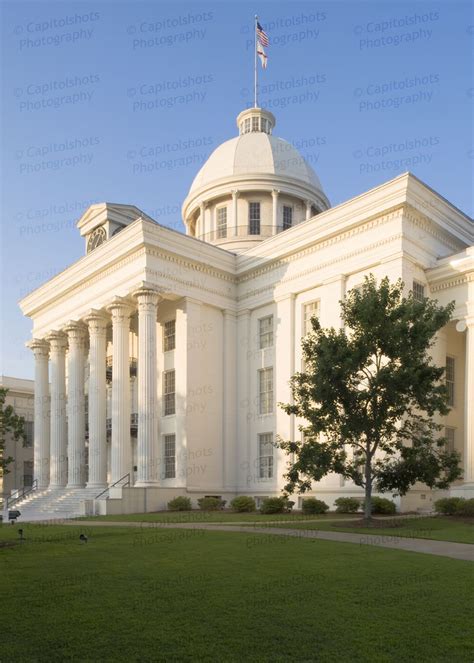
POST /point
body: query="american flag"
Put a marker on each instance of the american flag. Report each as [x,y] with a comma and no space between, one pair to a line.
[262,35]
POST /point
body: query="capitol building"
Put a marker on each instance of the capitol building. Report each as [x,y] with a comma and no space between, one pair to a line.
[161,357]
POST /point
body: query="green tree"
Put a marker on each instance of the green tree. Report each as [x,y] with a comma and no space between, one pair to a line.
[9,423]
[369,394]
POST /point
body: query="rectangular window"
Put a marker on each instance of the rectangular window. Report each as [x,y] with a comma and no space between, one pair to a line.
[169,336]
[221,222]
[450,376]
[247,125]
[169,453]
[255,124]
[265,455]
[254,218]
[418,291]
[449,435]
[265,383]
[287,217]
[265,332]
[264,125]
[29,434]
[169,395]
[27,473]
[309,309]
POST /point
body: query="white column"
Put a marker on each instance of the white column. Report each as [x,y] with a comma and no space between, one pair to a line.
[121,458]
[235,211]
[469,404]
[275,193]
[284,330]
[201,221]
[148,434]
[308,209]
[41,461]
[76,429]
[229,392]
[467,325]
[58,458]
[243,407]
[97,323]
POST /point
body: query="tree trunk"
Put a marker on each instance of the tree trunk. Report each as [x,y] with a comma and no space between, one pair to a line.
[368,492]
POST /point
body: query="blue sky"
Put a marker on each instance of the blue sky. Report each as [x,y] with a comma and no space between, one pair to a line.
[122,102]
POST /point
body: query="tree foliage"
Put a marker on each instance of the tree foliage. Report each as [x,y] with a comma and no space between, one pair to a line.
[9,423]
[369,394]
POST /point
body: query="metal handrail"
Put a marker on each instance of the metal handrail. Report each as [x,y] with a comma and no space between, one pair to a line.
[106,490]
[24,493]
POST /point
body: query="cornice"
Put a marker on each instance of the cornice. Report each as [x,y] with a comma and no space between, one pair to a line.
[418,219]
[452,283]
[323,265]
[318,245]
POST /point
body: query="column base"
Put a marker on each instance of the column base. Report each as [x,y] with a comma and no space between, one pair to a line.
[74,485]
[97,486]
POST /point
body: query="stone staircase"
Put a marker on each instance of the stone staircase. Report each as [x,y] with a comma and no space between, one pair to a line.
[53,504]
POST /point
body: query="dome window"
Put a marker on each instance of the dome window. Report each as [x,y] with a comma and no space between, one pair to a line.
[254,218]
[246,125]
[221,222]
[255,123]
[287,217]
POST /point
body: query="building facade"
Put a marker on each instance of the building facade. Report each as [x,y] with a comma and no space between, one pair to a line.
[20,396]
[168,353]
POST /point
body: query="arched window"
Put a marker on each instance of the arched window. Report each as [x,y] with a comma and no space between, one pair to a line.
[95,239]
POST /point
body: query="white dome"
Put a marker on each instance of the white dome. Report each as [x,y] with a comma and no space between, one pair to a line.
[255,153]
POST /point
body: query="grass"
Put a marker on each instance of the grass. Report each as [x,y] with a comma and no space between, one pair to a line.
[192,595]
[212,517]
[434,527]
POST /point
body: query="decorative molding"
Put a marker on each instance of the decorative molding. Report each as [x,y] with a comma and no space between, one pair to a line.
[320,266]
[423,222]
[319,245]
[451,282]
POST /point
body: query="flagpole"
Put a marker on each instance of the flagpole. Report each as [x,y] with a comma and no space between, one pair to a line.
[255,63]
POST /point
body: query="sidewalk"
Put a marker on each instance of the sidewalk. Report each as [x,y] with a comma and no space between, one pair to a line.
[464,551]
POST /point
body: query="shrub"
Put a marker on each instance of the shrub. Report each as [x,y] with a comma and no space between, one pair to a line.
[180,504]
[312,505]
[210,503]
[466,508]
[276,505]
[347,504]
[383,506]
[243,503]
[449,506]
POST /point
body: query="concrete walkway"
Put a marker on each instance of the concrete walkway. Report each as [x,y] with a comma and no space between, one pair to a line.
[464,551]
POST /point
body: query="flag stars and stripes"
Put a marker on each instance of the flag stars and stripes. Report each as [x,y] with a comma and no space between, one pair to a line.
[262,35]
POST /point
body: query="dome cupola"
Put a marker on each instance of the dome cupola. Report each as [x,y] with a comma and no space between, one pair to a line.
[251,187]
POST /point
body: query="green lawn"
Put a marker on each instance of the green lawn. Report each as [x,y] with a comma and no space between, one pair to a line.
[213,517]
[192,595]
[433,527]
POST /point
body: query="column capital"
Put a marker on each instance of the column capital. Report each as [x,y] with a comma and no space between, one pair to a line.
[235,193]
[275,192]
[39,346]
[97,321]
[465,323]
[57,341]
[120,308]
[76,331]
[147,295]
